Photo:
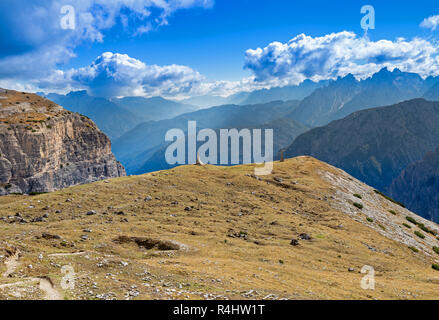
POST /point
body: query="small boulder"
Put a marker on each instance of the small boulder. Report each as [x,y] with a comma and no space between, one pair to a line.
[305,236]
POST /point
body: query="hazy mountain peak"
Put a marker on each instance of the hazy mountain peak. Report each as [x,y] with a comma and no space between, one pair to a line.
[80,93]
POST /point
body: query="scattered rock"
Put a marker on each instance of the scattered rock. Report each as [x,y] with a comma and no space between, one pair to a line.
[49,236]
[240,235]
[38,219]
[305,236]
[294,242]
[150,243]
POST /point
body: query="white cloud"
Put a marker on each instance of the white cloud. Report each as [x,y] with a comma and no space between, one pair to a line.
[33,43]
[338,54]
[114,74]
[430,23]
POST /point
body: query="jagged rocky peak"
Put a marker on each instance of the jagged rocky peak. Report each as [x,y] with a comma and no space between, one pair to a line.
[44,147]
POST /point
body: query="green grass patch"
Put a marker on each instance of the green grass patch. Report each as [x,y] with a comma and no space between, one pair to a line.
[419,234]
[435,266]
[414,249]
[411,220]
[358,205]
[424,228]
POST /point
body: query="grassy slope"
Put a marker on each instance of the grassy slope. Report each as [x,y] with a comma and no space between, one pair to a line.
[224,201]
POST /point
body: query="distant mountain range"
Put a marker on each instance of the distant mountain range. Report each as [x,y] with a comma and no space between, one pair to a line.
[390,148]
[110,118]
[284,129]
[135,147]
[120,115]
[286,93]
[375,145]
[156,108]
[347,95]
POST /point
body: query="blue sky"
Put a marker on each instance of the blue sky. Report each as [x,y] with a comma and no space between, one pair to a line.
[199,47]
[213,41]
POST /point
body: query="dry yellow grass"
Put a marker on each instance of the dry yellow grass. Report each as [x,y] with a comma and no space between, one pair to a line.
[26,108]
[268,213]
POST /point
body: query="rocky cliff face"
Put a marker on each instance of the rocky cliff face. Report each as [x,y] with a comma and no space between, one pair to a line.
[44,147]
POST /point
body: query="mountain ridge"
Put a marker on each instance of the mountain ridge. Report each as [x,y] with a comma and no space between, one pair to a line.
[375,145]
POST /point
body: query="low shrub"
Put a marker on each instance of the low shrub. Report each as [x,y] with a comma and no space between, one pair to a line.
[424,228]
[410,219]
[358,205]
[390,199]
[419,234]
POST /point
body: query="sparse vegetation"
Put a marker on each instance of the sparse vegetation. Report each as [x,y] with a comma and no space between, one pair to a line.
[356,195]
[414,249]
[411,220]
[203,230]
[424,228]
[393,212]
[388,198]
[406,225]
[436,249]
[369,219]
[435,266]
[358,205]
[420,235]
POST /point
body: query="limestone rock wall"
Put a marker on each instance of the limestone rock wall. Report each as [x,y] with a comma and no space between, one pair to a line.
[44,147]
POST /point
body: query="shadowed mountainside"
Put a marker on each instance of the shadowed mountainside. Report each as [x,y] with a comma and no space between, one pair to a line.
[418,186]
[375,145]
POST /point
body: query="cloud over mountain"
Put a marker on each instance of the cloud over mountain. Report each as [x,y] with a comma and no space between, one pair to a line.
[338,54]
[113,74]
[36,53]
